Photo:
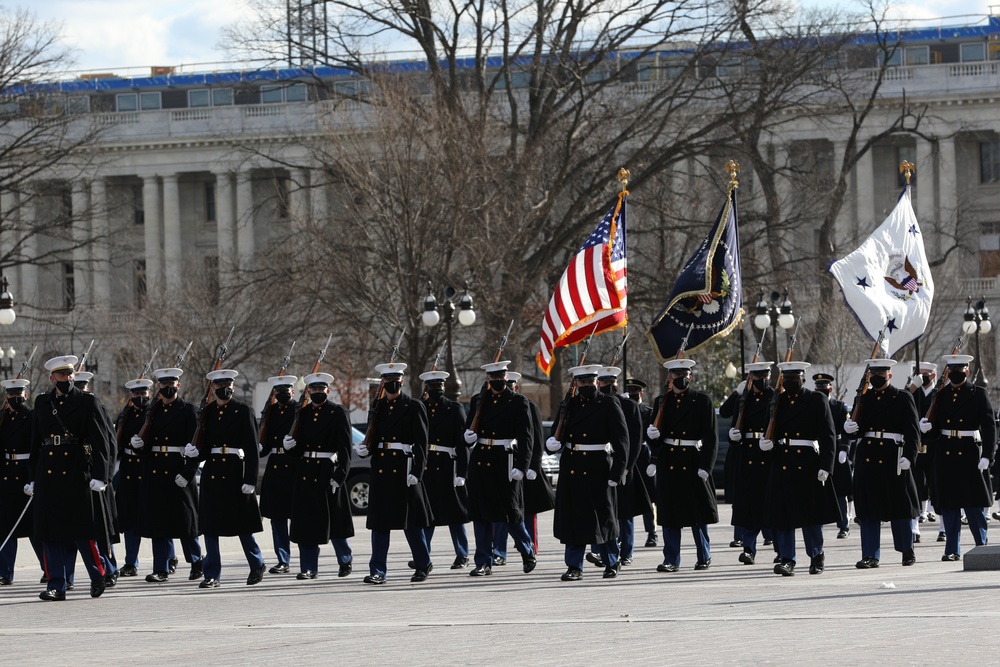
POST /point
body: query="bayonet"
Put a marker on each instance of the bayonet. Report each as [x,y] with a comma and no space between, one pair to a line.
[179,360]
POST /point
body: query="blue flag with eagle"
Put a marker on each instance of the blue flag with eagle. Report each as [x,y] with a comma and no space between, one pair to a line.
[887,282]
[708,294]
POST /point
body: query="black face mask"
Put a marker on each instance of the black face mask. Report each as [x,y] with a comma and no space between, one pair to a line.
[634,397]
[140,401]
[608,389]
[682,383]
[63,386]
[498,385]
[792,384]
[224,393]
[15,401]
[435,394]
[878,381]
[318,397]
[283,397]
[759,383]
[168,392]
[925,379]
[588,392]
[824,389]
[956,377]
[393,386]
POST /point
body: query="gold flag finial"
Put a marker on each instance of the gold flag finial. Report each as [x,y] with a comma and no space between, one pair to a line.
[733,168]
[623,176]
[906,168]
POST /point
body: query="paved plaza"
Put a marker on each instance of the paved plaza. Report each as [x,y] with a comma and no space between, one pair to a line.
[931,613]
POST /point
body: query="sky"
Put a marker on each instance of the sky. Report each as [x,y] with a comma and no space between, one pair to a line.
[118,35]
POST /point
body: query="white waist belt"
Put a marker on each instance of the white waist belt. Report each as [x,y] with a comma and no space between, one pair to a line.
[321,455]
[753,435]
[17,457]
[399,446]
[684,443]
[885,435]
[222,450]
[794,442]
[962,434]
[441,448]
[606,447]
[502,442]
[163,449]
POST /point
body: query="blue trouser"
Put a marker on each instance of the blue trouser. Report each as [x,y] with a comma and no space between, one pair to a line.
[380,550]
[749,538]
[309,554]
[459,540]
[132,541]
[213,557]
[672,544]
[282,544]
[59,559]
[484,540]
[575,553]
[164,552]
[738,533]
[812,536]
[626,537]
[649,523]
[871,537]
[952,519]
[843,524]
[8,556]
[500,539]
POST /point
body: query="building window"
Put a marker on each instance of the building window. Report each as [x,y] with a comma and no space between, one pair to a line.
[730,67]
[216,97]
[895,58]
[270,95]
[149,101]
[908,153]
[138,207]
[281,193]
[918,55]
[127,102]
[139,271]
[69,287]
[210,202]
[222,97]
[973,53]
[295,92]
[989,161]
[199,98]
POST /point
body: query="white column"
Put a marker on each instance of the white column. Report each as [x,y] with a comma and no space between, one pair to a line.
[864,176]
[152,221]
[28,287]
[298,196]
[318,198]
[782,183]
[925,198]
[225,224]
[81,242]
[173,259]
[244,218]
[102,243]
[9,228]
[947,182]
[842,228]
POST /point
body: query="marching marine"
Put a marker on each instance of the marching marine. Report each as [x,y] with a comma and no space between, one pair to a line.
[276,486]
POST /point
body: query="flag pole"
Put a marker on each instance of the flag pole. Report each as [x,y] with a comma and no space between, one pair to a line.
[623,176]
[906,168]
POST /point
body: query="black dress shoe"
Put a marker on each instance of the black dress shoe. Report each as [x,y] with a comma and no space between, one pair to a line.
[666,567]
[418,576]
[128,571]
[594,559]
[411,564]
[651,540]
[51,595]
[916,538]
[867,564]
[624,562]
[376,579]
[197,570]
[499,560]
[280,568]
[572,574]
[97,588]
[612,571]
[529,563]
[111,580]
[156,577]
[461,562]
[777,559]
[941,537]
[173,565]
[909,558]
[70,586]
[346,568]
[209,582]
[4,581]
[308,574]
[43,580]
[768,543]
[844,532]
[785,568]
[736,543]
[481,571]
[256,576]
[951,557]
[703,565]
[747,557]
[817,564]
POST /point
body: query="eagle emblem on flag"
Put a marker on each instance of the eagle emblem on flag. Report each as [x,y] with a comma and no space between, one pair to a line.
[903,279]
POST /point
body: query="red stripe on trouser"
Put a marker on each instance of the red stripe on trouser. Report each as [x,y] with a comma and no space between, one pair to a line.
[45,565]
[97,557]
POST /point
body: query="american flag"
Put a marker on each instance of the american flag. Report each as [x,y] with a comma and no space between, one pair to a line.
[592,289]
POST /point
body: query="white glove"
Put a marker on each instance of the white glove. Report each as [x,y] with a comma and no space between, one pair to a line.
[612,483]
[850,426]
[925,425]
[411,480]
[735,435]
[459,481]
[248,489]
[904,463]
[516,475]
[741,387]
[98,485]
[822,476]
[651,470]
[288,442]
[765,444]
[652,432]
[984,463]
[703,474]
[470,437]
[180,481]
[136,442]
[190,451]
[361,450]
[842,456]
[29,489]
[334,485]
[531,475]
[553,445]
[260,447]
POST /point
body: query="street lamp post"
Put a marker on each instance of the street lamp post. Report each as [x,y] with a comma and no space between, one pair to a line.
[466,317]
[7,315]
[977,321]
[776,314]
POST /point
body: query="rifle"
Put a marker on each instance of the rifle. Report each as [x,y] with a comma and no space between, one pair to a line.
[617,353]
[142,374]
[746,378]
[437,359]
[959,344]
[779,388]
[20,376]
[564,413]
[658,422]
[262,432]
[219,358]
[373,408]
[178,363]
[486,387]
[863,387]
[83,359]
[294,431]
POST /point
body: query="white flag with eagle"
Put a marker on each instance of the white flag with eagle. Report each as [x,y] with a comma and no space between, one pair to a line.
[887,282]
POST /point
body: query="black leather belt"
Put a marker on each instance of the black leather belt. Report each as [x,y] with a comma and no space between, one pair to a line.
[59,440]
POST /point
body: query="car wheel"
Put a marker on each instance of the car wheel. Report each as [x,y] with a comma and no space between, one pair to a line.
[357,493]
